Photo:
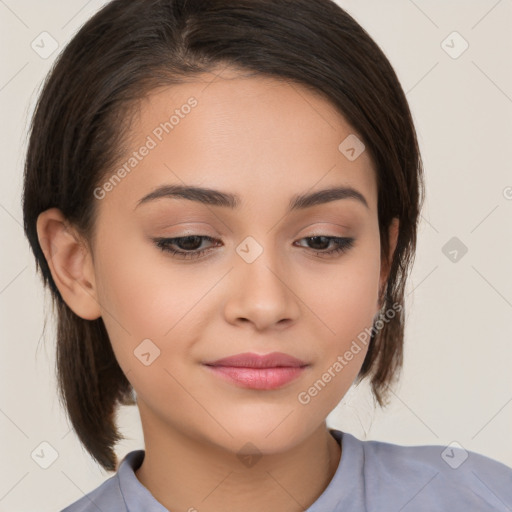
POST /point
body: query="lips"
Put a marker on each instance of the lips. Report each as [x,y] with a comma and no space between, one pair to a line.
[251,360]
[253,371]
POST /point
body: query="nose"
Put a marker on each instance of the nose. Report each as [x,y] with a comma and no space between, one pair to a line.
[261,293]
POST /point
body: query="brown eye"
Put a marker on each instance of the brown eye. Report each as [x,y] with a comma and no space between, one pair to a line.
[187,245]
[320,243]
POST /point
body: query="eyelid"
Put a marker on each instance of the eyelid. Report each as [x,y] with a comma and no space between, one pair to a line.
[323,226]
[325,230]
[341,246]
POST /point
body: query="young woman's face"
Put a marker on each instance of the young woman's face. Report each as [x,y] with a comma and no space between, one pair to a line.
[262,285]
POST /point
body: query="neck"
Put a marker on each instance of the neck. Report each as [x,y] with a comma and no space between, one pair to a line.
[185,474]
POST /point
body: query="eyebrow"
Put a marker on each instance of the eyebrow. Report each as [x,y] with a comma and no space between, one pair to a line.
[213,197]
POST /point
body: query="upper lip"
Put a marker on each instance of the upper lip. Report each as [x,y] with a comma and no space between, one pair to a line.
[251,360]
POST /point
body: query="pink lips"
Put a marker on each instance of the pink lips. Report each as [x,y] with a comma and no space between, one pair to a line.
[253,371]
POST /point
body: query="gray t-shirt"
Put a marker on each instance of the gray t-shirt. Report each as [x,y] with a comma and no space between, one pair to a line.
[371,476]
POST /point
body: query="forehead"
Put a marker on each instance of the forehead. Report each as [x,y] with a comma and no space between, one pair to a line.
[257,137]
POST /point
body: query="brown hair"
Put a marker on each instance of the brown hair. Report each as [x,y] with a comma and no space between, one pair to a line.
[132,46]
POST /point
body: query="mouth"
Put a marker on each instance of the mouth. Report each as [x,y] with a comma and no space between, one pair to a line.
[254,371]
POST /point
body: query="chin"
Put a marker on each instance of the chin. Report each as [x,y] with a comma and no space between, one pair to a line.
[269,436]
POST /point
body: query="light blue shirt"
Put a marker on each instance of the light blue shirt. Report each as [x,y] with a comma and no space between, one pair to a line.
[372,476]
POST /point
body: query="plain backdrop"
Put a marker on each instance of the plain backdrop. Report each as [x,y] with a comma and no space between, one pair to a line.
[456,384]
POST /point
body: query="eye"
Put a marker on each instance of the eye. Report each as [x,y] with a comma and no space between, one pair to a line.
[341,244]
[189,247]
[188,243]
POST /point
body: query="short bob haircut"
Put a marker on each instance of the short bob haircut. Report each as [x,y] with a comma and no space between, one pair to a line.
[129,48]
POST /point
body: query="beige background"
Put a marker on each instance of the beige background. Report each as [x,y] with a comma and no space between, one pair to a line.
[457,383]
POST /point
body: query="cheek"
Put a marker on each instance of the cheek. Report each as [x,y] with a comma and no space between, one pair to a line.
[346,307]
[142,295]
[344,296]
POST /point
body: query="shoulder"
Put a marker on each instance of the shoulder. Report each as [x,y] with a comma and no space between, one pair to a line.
[105,497]
[433,477]
[109,495]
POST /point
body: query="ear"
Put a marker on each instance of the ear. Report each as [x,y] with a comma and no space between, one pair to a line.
[385,266]
[70,263]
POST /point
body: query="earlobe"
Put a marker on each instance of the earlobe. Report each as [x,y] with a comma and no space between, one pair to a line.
[386,265]
[69,262]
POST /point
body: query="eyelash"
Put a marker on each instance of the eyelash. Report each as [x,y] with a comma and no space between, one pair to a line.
[342,246]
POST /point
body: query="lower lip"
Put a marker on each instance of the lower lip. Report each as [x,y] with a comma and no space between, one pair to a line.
[258,378]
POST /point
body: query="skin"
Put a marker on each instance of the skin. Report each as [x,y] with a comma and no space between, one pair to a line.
[264,140]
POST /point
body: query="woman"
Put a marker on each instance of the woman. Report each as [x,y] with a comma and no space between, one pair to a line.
[223,198]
